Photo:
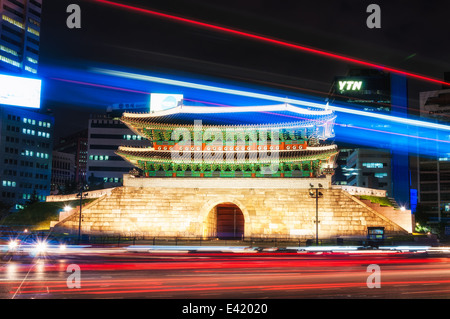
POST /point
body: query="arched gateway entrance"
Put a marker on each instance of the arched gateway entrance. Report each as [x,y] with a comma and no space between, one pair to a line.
[225,221]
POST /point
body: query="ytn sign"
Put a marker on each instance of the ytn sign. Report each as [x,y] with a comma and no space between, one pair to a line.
[350,85]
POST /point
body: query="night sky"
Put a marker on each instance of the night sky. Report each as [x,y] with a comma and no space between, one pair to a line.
[413,37]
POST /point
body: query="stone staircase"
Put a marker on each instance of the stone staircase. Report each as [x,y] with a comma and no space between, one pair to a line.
[401,217]
[66,215]
[394,202]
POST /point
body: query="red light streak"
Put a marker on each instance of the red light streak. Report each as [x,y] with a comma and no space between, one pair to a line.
[144,288]
[305,270]
[272,41]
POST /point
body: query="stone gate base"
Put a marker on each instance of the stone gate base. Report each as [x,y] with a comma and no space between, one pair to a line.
[186,207]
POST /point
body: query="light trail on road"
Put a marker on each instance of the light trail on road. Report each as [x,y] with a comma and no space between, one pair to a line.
[232,275]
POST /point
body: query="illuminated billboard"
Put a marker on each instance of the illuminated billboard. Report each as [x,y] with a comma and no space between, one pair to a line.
[19,91]
[161,102]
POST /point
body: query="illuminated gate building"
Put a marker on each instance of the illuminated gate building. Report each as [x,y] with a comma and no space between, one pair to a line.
[233,172]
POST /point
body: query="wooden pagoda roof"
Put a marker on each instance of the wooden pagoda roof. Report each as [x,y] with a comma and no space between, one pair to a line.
[133,154]
[279,116]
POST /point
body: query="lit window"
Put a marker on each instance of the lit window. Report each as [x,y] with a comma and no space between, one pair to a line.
[32,31]
[9,61]
[373,165]
[34,22]
[12,21]
[27,68]
[8,50]
[9,183]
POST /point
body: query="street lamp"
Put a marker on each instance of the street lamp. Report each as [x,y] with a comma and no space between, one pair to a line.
[80,194]
[314,193]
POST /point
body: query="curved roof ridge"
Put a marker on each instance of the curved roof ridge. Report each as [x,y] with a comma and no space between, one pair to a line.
[231,109]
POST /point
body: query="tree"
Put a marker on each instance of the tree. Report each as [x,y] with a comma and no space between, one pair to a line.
[70,187]
[33,199]
[4,209]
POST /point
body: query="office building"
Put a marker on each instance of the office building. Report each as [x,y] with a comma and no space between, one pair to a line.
[26,141]
[434,171]
[104,167]
[76,144]
[20,36]
[377,166]
[63,172]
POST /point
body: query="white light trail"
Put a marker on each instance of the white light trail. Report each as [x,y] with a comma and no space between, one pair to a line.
[261,96]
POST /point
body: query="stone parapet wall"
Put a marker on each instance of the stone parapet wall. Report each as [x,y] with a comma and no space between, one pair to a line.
[355,190]
[234,183]
[86,195]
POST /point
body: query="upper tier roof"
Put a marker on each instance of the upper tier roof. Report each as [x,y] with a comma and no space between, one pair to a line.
[270,115]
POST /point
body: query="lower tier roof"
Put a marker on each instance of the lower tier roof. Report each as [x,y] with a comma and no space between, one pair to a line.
[134,154]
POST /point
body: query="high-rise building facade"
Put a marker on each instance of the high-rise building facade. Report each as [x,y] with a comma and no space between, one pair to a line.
[20,35]
[104,167]
[26,141]
[379,166]
[63,172]
[367,90]
[434,171]
[26,133]
[76,144]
